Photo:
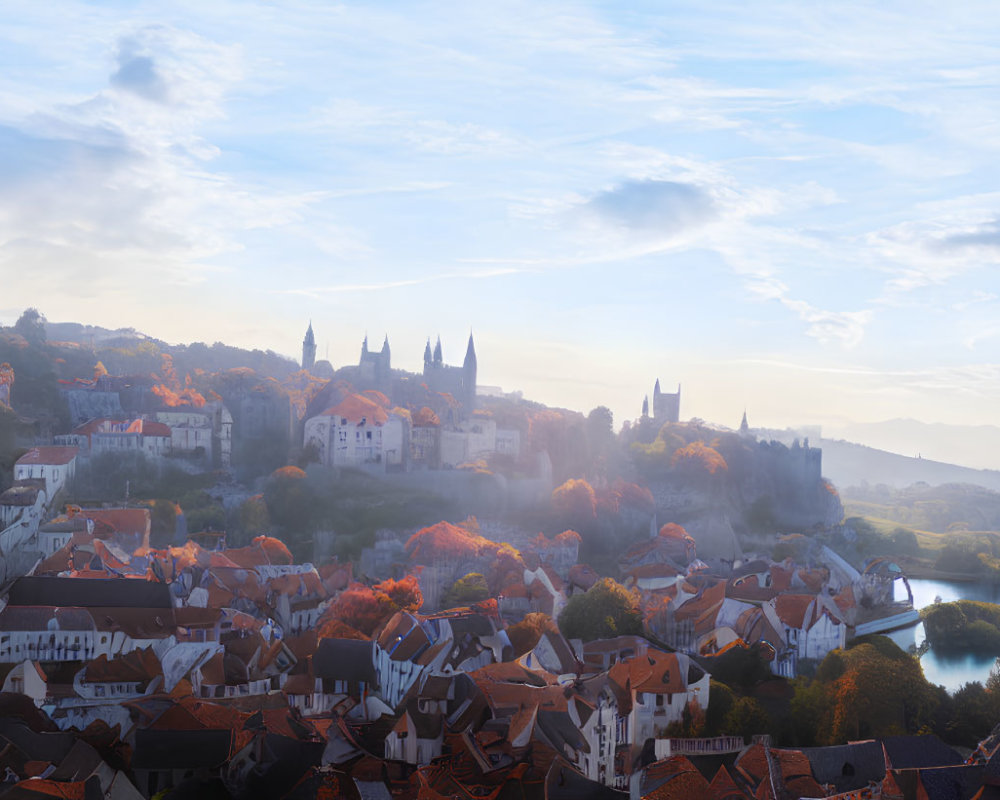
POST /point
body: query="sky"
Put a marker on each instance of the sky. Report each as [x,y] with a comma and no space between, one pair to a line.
[790,209]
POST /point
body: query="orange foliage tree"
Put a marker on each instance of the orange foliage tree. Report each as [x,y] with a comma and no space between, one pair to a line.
[404,594]
[575,498]
[368,608]
[698,456]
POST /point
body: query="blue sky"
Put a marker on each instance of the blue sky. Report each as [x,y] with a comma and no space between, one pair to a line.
[788,209]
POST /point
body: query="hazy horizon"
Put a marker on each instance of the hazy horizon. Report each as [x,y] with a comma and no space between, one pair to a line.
[789,211]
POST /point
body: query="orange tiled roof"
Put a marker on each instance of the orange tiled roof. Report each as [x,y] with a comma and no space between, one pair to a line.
[354,408]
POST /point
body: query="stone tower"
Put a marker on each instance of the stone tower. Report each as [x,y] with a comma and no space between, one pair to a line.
[666,405]
[309,348]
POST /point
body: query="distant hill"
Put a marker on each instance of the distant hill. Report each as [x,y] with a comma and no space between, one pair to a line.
[849,464]
[976,446]
[89,335]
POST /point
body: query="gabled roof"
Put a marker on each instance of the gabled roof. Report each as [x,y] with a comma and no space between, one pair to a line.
[656,672]
[723,787]
[673,778]
[48,456]
[355,408]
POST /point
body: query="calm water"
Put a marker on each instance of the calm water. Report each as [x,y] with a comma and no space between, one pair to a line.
[950,672]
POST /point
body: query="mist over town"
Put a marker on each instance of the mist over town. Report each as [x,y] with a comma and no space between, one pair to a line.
[541,401]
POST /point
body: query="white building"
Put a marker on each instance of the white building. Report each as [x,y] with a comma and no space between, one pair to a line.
[812,625]
[55,465]
[661,684]
[358,432]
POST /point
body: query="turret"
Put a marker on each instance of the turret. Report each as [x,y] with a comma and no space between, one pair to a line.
[469,370]
[309,348]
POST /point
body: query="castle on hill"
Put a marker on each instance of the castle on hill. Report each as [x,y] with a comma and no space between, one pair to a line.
[666,405]
[374,372]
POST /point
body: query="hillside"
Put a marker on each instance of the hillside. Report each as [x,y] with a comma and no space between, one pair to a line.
[976,446]
[848,464]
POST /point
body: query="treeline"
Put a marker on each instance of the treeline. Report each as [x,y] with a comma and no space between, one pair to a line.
[967,626]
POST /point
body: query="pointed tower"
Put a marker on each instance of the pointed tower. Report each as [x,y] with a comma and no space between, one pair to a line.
[427,353]
[645,406]
[438,358]
[744,425]
[309,348]
[364,347]
[469,369]
[385,346]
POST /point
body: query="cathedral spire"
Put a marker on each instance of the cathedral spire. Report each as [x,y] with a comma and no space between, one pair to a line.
[427,351]
[645,406]
[470,352]
[438,358]
[309,348]
[385,345]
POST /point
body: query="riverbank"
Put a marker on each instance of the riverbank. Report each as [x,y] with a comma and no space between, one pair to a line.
[924,569]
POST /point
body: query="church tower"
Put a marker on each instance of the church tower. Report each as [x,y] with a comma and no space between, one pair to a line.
[309,348]
[469,369]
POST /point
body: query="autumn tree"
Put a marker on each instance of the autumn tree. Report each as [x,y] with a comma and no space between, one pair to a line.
[367,609]
[698,458]
[576,501]
[360,607]
[607,610]
[403,594]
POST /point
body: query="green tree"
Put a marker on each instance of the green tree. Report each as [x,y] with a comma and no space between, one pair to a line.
[607,610]
[31,325]
[467,590]
[291,505]
[746,717]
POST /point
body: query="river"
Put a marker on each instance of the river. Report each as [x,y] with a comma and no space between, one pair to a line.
[948,671]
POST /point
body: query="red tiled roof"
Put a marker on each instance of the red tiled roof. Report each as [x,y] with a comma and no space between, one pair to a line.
[354,408]
[122,520]
[49,455]
[681,780]
[792,609]
[655,671]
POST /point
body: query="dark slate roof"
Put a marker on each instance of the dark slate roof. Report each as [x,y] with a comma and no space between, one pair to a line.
[87,592]
[952,783]
[344,660]
[156,749]
[563,782]
[847,766]
[51,747]
[910,752]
